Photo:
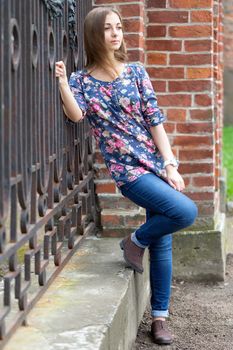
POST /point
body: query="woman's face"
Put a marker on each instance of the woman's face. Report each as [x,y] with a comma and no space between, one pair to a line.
[113,32]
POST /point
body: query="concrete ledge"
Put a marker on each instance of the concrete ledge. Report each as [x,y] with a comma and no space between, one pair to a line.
[95,303]
[200,255]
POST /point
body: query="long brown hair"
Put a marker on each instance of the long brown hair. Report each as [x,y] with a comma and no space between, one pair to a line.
[94,41]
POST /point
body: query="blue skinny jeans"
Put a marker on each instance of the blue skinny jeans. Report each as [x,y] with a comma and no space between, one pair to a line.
[167,211]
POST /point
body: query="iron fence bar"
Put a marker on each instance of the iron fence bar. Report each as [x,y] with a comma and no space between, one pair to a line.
[47,200]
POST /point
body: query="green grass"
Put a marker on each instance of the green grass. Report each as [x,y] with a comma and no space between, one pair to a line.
[228,158]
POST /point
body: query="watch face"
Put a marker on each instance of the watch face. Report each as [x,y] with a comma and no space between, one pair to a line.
[173,162]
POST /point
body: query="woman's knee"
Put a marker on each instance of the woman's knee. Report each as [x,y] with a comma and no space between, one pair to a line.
[189,213]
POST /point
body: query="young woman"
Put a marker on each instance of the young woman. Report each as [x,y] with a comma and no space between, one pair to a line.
[119,101]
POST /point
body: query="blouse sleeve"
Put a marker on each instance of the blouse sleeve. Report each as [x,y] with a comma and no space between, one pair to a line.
[151,112]
[76,88]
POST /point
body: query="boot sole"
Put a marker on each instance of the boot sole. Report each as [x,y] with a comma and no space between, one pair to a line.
[161,341]
[134,267]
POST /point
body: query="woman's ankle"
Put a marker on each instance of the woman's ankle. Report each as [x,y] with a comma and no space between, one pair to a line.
[158,318]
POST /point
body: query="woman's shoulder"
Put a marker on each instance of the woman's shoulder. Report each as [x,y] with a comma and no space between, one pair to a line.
[137,67]
[78,74]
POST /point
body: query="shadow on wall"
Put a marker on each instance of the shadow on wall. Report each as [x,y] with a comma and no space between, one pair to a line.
[228,97]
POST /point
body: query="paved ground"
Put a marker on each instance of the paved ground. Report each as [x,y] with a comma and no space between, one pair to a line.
[201,316]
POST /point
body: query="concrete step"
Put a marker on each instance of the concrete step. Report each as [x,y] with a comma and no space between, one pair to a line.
[122,218]
[115,201]
[96,303]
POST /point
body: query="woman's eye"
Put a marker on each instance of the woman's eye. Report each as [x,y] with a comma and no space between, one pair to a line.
[118,28]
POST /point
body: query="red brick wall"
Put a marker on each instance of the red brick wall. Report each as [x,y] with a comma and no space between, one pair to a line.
[218,89]
[228,34]
[182,50]
[228,62]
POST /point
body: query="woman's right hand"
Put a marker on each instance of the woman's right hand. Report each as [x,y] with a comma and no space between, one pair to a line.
[60,72]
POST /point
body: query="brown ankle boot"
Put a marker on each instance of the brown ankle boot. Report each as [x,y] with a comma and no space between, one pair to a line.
[133,254]
[160,333]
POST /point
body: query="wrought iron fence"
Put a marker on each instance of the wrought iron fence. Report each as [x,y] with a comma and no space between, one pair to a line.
[47,203]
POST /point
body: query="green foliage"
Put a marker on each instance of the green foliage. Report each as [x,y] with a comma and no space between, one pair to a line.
[228,158]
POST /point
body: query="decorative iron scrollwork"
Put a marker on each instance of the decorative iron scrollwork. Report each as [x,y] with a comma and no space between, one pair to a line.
[24,221]
[51,49]
[64,46]
[42,204]
[75,48]
[15,43]
[55,9]
[2,239]
[34,45]
[72,23]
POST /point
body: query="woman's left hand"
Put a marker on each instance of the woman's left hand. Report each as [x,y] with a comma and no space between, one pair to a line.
[174,178]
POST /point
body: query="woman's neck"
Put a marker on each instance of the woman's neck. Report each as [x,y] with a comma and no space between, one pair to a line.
[111,57]
[108,74]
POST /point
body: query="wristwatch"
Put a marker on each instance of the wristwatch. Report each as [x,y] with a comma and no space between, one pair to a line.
[173,161]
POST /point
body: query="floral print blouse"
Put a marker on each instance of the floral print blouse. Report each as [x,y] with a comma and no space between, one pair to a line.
[120,114]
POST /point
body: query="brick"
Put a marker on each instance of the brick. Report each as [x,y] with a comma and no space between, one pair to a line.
[115,201]
[217,173]
[198,114]
[200,196]
[133,10]
[159,86]
[156,31]
[135,55]
[193,128]
[178,100]
[108,187]
[191,140]
[186,181]
[195,154]
[205,208]
[109,220]
[101,173]
[117,231]
[136,220]
[133,25]
[197,45]
[164,45]
[157,58]
[134,40]
[190,4]
[176,115]
[203,100]
[166,73]
[198,73]
[98,157]
[201,16]
[170,127]
[203,181]
[192,31]
[190,60]
[193,168]
[167,16]
[186,85]
[156,3]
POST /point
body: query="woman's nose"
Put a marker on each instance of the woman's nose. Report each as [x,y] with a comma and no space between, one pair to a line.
[114,32]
